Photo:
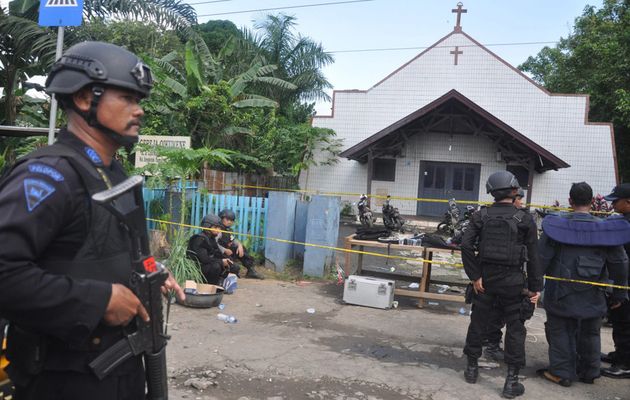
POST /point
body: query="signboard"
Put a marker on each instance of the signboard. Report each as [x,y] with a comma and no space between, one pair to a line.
[60,12]
[143,158]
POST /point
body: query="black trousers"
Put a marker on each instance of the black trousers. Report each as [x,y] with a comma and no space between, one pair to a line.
[246,260]
[620,318]
[215,272]
[487,308]
[574,346]
[494,334]
[68,385]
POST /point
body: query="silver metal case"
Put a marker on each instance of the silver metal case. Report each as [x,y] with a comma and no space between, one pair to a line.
[368,291]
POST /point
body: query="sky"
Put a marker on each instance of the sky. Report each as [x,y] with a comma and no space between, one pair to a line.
[379,24]
[386,24]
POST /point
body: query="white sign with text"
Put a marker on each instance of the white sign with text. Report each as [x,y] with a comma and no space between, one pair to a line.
[147,157]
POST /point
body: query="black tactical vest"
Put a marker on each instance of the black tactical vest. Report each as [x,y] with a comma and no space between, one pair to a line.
[499,241]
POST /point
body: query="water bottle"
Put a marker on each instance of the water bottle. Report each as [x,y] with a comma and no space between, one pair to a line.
[228,319]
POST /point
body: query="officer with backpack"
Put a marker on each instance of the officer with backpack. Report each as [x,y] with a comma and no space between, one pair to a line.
[582,248]
[497,243]
[65,261]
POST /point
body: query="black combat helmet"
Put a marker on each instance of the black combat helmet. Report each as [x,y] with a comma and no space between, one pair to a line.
[100,65]
[501,180]
[210,220]
[227,213]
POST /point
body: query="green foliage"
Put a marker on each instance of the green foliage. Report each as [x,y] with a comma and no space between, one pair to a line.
[216,33]
[139,37]
[182,267]
[594,59]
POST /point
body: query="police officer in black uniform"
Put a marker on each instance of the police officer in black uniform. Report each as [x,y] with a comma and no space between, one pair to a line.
[580,247]
[620,312]
[232,247]
[204,248]
[64,261]
[499,240]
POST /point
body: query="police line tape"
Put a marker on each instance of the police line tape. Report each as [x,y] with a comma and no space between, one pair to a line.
[370,253]
[416,199]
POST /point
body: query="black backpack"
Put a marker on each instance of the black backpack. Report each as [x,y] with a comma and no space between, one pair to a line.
[498,242]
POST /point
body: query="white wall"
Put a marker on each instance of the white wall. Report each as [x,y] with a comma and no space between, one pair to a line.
[555,122]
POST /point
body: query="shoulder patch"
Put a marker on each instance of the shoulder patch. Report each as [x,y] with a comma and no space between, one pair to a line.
[36,191]
[93,155]
[39,168]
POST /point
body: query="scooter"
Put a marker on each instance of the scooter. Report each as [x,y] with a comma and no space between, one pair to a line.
[391,216]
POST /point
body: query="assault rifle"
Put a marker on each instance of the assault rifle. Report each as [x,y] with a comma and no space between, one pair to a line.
[125,202]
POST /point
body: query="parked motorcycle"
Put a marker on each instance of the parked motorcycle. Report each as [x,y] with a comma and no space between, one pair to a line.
[365,214]
[391,216]
[454,224]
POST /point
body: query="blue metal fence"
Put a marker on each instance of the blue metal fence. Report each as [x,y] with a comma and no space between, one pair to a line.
[251,212]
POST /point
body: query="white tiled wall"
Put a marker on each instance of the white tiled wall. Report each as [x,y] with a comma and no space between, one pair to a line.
[553,121]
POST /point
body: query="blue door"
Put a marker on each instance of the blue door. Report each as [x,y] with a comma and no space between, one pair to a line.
[442,180]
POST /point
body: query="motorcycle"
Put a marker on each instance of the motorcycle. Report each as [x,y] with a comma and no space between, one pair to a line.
[454,224]
[365,214]
[391,217]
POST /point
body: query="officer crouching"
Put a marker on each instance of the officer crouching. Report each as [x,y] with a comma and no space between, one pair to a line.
[507,238]
[580,247]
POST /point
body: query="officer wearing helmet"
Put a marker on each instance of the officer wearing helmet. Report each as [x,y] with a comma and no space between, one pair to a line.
[232,247]
[204,248]
[65,261]
[499,240]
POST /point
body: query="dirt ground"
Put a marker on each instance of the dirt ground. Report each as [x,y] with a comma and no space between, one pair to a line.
[277,350]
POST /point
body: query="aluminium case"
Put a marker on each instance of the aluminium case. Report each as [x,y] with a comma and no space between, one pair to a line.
[368,291]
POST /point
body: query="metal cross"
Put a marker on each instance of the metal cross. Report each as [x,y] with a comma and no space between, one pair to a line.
[459,11]
[457,52]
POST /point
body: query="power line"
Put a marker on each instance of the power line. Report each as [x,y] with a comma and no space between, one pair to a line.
[208,2]
[435,47]
[282,8]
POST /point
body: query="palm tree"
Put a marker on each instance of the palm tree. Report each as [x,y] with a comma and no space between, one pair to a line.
[299,59]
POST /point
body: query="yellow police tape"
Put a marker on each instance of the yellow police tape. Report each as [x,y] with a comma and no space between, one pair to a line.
[378,196]
[370,253]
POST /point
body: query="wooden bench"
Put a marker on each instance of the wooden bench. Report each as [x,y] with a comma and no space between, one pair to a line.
[423,294]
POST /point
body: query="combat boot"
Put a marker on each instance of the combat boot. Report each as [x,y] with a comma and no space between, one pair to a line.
[472,370]
[494,352]
[252,274]
[512,387]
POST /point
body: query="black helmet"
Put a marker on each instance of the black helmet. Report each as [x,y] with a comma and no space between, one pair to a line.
[98,63]
[227,213]
[210,220]
[501,180]
[101,65]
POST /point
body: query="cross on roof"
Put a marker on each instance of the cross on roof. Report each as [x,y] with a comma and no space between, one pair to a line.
[459,11]
[456,52]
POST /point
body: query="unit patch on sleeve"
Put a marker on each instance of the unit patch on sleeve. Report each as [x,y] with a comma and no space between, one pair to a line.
[36,191]
[47,170]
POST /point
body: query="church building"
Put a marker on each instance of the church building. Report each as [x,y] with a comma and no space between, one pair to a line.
[439,125]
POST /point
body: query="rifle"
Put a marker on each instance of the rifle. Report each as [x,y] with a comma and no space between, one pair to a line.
[125,202]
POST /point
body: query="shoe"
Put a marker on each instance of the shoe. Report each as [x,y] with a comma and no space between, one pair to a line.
[252,274]
[472,370]
[618,371]
[512,387]
[494,352]
[544,373]
[588,381]
[608,357]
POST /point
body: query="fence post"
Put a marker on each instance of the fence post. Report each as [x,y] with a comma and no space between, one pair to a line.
[280,225]
[322,228]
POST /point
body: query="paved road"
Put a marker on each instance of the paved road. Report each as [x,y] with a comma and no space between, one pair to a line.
[278,350]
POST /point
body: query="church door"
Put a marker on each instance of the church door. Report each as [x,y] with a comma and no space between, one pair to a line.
[441,180]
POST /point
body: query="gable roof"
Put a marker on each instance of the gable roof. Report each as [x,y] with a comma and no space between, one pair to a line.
[546,160]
